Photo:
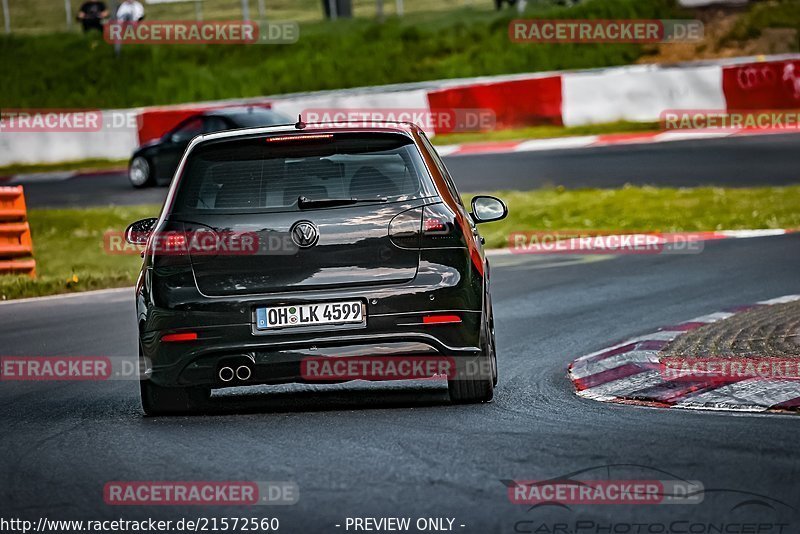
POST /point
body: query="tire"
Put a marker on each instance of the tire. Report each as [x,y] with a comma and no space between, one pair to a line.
[493,346]
[140,172]
[158,400]
[465,390]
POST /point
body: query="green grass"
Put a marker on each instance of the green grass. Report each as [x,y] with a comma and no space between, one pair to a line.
[70,256]
[71,70]
[40,16]
[43,16]
[82,165]
[645,209]
[544,132]
[69,250]
[775,14]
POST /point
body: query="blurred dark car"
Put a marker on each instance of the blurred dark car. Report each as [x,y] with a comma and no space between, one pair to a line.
[154,163]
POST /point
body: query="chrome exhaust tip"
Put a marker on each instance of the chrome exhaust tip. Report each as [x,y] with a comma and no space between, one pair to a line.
[243,372]
[225,374]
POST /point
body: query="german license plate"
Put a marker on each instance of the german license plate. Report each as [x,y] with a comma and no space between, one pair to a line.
[321,314]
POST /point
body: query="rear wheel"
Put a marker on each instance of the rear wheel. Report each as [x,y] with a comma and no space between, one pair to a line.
[475,380]
[469,391]
[493,351]
[159,400]
[140,172]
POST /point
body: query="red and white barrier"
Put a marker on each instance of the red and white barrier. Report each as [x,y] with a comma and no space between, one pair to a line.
[632,93]
[413,99]
[638,93]
[762,85]
[515,103]
[37,146]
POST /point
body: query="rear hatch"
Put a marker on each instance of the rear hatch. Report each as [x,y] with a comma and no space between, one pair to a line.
[339,210]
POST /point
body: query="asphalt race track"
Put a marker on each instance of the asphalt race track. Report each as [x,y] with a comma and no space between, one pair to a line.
[375,450]
[731,161]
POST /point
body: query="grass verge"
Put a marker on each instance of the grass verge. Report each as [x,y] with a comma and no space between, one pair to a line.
[645,209]
[69,251]
[763,16]
[70,255]
[545,132]
[71,70]
[82,165]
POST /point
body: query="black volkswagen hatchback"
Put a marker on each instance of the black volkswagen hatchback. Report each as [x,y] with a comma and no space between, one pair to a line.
[313,253]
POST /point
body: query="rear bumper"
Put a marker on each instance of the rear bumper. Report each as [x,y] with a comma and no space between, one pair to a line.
[225,326]
[200,365]
[272,361]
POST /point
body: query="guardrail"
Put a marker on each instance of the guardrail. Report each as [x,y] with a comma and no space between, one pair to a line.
[16,245]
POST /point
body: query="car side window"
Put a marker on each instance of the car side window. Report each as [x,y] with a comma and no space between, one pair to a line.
[214,124]
[448,180]
[190,129]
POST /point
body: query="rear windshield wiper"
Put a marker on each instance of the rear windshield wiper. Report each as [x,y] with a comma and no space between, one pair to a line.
[304,202]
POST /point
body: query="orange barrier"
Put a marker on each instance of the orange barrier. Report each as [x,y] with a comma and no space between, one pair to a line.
[15,234]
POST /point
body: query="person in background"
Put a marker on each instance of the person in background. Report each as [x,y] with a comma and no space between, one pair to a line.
[130,11]
[91,15]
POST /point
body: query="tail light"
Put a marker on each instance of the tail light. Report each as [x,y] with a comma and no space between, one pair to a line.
[429,227]
[439,228]
[294,138]
[441,319]
[169,262]
[175,242]
[433,225]
[169,241]
[184,336]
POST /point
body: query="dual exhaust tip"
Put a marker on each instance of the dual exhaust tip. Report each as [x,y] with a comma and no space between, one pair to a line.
[227,374]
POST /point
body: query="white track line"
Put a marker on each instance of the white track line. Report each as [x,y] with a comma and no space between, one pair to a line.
[61,296]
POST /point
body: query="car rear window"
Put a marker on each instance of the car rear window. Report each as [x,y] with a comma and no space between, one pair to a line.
[271,173]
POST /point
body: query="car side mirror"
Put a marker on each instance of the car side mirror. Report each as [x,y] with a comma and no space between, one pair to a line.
[488,209]
[139,232]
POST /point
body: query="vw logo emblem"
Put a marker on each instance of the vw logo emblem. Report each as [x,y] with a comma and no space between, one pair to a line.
[304,234]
